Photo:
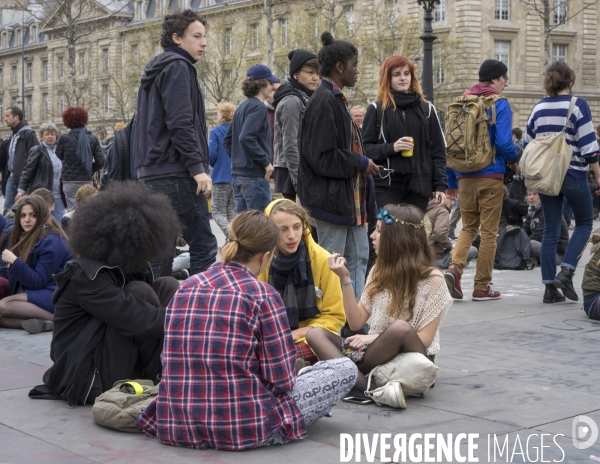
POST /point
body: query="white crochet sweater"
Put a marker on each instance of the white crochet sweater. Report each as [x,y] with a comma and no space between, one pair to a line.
[433,299]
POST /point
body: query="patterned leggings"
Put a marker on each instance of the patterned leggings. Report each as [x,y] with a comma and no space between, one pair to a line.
[318,390]
[223,206]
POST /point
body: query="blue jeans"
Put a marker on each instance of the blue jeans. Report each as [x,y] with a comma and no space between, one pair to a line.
[59,209]
[577,193]
[251,193]
[11,193]
[590,306]
[192,210]
[352,243]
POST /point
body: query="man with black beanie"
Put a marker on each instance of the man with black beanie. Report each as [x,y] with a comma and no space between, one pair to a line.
[481,192]
[290,101]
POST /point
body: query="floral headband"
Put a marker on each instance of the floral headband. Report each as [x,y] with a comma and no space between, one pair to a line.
[386,217]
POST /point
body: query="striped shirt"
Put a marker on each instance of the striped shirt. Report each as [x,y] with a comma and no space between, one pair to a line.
[549,116]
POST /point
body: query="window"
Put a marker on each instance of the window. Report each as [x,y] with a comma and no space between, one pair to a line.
[185,4]
[439,75]
[283,28]
[228,78]
[1,107]
[45,70]
[15,101]
[135,52]
[502,10]
[392,10]
[61,67]
[105,62]
[33,34]
[29,73]
[254,38]
[228,40]
[1,80]
[314,22]
[45,108]
[61,103]
[4,40]
[210,2]
[349,13]
[105,98]
[139,11]
[14,75]
[502,52]
[560,12]
[28,107]
[559,52]
[439,13]
[82,63]
[18,37]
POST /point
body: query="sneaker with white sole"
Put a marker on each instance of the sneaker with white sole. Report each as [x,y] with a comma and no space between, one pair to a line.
[487,294]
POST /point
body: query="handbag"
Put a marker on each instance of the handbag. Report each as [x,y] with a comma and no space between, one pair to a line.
[119,407]
[546,159]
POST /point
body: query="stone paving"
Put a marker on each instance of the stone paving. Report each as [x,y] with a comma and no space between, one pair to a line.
[514,369]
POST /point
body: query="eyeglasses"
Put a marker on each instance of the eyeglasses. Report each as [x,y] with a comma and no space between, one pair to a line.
[386,171]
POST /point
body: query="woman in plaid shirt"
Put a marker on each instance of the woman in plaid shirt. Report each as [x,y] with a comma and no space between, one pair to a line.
[228,359]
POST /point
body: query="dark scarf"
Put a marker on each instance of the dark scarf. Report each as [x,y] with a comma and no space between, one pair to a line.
[19,126]
[416,170]
[304,92]
[181,52]
[83,150]
[292,278]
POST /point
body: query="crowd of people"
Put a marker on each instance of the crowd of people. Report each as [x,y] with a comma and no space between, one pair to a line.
[355,265]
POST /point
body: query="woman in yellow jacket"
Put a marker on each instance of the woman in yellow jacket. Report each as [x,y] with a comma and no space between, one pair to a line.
[300,272]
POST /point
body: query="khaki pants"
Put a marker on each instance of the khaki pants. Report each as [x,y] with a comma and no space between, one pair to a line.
[480,202]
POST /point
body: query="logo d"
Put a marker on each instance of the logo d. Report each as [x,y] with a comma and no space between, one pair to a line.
[580,432]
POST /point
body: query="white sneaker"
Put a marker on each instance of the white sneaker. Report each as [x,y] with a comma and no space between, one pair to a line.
[390,394]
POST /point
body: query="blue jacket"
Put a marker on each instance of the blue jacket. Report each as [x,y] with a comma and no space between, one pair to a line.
[218,157]
[48,257]
[501,138]
[6,227]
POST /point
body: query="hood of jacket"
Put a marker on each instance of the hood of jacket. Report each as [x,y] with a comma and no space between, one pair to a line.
[156,65]
[306,235]
[283,91]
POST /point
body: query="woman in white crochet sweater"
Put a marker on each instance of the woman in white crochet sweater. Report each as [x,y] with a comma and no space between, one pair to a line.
[405,297]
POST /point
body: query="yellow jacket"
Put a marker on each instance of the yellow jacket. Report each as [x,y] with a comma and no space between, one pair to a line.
[331,304]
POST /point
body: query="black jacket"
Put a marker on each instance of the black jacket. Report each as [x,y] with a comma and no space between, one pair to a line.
[327,164]
[72,169]
[90,302]
[38,172]
[513,212]
[170,135]
[534,227]
[26,142]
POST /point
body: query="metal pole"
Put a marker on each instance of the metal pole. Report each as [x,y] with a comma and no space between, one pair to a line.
[428,38]
[23,66]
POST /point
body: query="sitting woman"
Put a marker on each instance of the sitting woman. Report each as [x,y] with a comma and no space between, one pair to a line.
[110,313]
[37,250]
[405,297]
[228,363]
[300,272]
[591,281]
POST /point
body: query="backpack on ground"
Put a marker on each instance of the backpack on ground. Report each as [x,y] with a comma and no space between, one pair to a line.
[117,166]
[469,148]
[513,250]
[119,407]
[545,160]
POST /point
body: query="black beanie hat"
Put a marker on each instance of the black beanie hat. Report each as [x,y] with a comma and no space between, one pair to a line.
[491,69]
[298,58]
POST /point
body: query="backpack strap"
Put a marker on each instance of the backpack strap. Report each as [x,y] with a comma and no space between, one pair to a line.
[570,112]
[379,119]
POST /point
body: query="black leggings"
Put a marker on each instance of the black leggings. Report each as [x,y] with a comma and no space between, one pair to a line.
[399,337]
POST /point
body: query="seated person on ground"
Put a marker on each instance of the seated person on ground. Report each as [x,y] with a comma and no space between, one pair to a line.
[228,377]
[534,227]
[513,212]
[439,238]
[47,196]
[405,297]
[591,281]
[83,193]
[300,272]
[38,250]
[109,317]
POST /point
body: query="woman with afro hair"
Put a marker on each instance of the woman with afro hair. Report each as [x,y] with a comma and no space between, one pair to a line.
[110,312]
[80,153]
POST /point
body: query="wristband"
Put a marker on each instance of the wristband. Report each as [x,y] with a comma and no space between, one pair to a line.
[352,282]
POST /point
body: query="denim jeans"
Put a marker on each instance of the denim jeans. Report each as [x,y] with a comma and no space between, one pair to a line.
[590,306]
[192,210]
[352,243]
[59,209]
[251,193]
[11,193]
[579,197]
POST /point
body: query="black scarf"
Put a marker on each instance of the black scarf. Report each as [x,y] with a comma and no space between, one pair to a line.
[292,278]
[301,89]
[417,170]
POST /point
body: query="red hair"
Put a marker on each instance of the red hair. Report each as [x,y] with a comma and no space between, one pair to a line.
[384,93]
[75,117]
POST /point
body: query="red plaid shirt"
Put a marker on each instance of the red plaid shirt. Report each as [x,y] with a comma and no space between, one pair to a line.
[228,364]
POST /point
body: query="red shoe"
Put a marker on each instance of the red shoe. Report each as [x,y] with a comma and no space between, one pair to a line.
[487,294]
[453,281]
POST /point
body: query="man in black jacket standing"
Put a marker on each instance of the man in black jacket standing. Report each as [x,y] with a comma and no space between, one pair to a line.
[171,151]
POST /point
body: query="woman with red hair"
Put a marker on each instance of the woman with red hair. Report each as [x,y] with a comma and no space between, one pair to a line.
[402,134]
[80,153]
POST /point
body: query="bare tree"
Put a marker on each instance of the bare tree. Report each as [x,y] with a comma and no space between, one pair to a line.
[552,16]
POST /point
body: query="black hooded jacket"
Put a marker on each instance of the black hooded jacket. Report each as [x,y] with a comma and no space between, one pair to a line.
[170,137]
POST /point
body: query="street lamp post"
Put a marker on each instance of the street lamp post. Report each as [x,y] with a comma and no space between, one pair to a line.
[428,37]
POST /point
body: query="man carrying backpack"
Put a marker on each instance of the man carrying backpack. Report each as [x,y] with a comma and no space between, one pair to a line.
[481,191]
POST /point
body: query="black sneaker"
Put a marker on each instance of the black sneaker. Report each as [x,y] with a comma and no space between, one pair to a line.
[451,236]
[564,281]
[553,295]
